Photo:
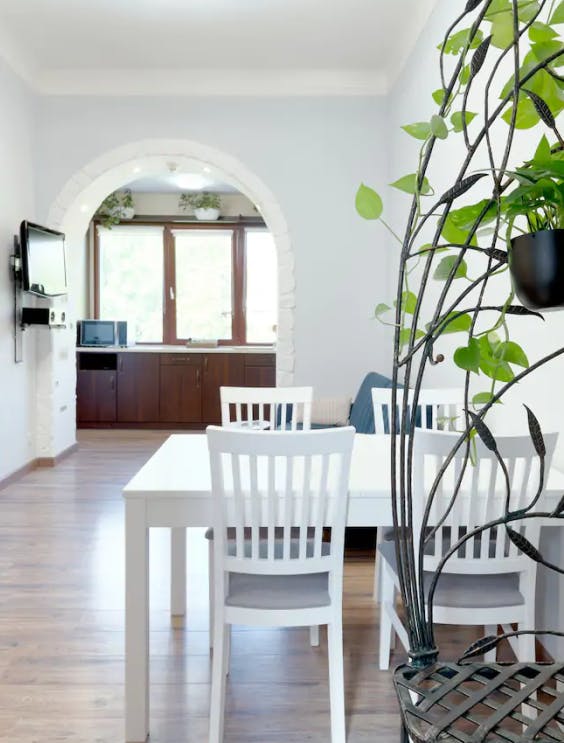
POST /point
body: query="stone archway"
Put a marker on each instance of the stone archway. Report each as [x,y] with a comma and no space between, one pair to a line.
[73,208]
[71,213]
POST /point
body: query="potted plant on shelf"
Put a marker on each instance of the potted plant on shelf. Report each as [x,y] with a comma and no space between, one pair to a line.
[116,207]
[206,205]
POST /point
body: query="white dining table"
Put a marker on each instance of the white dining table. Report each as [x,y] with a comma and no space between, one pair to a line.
[173,490]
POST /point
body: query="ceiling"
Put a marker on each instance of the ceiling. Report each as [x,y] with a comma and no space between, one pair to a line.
[179,182]
[61,43]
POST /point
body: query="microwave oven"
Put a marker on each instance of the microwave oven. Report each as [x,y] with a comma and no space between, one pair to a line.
[101,333]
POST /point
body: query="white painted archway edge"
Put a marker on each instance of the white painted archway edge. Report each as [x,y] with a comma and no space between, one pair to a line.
[73,208]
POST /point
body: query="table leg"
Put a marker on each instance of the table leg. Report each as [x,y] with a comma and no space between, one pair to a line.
[178,572]
[136,622]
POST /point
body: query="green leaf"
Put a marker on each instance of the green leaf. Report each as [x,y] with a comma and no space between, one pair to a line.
[368,203]
[541,32]
[460,324]
[456,119]
[464,75]
[492,367]
[409,184]
[558,15]
[502,30]
[465,217]
[481,398]
[543,149]
[420,130]
[381,308]
[527,115]
[405,334]
[544,49]
[512,353]
[454,234]
[408,302]
[439,96]
[428,247]
[468,357]
[459,40]
[527,10]
[444,268]
[439,127]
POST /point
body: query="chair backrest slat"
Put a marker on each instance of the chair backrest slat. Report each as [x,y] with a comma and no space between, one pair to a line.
[273,486]
[481,499]
[437,409]
[285,408]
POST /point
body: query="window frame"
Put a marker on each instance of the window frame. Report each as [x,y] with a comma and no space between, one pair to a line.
[238,229]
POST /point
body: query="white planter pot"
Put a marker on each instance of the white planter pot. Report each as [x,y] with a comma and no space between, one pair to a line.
[127,212]
[209,214]
[123,212]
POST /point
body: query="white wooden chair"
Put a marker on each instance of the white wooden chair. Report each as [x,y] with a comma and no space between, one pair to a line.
[438,409]
[487,581]
[266,407]
[261,408]
[288,486]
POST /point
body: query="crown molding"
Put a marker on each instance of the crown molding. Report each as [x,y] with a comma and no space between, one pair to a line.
[209,82]
[411,33]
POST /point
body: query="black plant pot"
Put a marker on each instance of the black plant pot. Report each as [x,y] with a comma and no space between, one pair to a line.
[536,263]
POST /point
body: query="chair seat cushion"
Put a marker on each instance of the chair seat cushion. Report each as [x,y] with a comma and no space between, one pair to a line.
[466,591]
[278,591]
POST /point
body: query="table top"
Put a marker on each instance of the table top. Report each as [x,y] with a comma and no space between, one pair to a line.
[180,469]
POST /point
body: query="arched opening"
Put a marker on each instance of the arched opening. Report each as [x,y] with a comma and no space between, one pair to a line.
[74,207]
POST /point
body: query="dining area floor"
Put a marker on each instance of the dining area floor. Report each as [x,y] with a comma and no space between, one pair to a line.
[62,625]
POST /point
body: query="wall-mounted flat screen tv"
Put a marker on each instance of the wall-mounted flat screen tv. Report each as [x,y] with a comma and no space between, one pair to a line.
[43,260]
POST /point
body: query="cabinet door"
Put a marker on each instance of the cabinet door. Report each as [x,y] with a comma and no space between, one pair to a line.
[220,369]
[138,387]
[96,396]
[180,390]
[260,370]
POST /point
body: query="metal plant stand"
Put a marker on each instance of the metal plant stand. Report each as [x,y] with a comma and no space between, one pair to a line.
[468,701]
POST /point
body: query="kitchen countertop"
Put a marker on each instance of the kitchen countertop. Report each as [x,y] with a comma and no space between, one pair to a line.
[177,349]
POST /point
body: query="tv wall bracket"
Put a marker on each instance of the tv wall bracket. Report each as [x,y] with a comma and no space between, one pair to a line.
[16,266]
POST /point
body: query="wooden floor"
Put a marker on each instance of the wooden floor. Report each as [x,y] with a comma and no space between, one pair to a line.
[61,626]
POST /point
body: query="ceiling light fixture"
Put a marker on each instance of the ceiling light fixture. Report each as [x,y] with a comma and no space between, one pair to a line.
[191,181]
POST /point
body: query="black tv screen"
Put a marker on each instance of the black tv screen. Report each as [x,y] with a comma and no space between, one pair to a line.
[43,260]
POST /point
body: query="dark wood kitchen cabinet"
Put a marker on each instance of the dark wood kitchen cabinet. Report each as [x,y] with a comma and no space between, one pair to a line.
[180,388]
[260,370]
[96,394]
[137,387]
[219,369]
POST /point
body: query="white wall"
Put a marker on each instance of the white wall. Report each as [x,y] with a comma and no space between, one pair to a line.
[312,154]
[17,402]
[543,392]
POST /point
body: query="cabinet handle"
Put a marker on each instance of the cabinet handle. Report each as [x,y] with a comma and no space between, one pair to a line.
[121,363]
[197,377]
[112,382]
[205,363]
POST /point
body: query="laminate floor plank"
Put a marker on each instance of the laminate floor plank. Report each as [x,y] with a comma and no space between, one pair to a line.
[62,619]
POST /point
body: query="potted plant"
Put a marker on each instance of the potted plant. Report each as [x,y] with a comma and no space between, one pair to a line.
[115,207]
[206,205]
[536,257]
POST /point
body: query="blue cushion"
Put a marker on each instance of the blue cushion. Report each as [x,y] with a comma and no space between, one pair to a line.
[362,412]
